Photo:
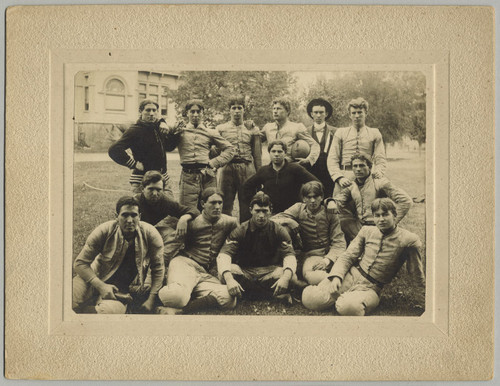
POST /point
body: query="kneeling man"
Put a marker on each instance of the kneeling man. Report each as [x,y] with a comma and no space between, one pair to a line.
[372,260]
[261,251]
[114,254]
[190,288]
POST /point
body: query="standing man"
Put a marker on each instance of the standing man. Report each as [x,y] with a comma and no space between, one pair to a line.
[372,260]
[248,157]
[362,192]
[159,210]
[115,253]
[320,110]
[289,132]
[357,138]
[281,180]
[194,142]
[188,276]
[148,145]
[258,258]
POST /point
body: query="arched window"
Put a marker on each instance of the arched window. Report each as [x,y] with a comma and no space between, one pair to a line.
[115,95]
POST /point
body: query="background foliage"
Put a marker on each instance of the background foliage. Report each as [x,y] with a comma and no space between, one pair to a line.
[397,99]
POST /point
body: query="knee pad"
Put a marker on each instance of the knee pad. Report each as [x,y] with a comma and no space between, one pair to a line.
[314,277]
[225,300]
[174,295]
[349,307]
[315,299]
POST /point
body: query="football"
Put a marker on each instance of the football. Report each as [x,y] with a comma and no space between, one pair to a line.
[300,149]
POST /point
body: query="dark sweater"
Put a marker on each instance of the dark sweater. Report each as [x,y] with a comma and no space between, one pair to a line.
[148,145]
[153,213]
[283,187]
[250,246]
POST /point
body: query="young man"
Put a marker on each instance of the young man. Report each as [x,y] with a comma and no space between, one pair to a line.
[248,156]
[322,239]
[188,275]
[357,138]
[362,192]
[194,142]
[289,132]
[372,260]
[159,210]
[280,180]
[148,145]
[320,110]
[258,259]
[114,254]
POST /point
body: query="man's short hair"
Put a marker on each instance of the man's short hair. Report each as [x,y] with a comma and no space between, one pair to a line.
[312,187]
[278,142]
[206,193]
[361,157]
[152,177]
[236,100]
[147,102]
[385,204]
[261,199]
[283,102]
[358,103]
[194,102]
[126,200]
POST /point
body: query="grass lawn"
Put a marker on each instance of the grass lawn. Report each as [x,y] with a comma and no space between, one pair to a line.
[93,207]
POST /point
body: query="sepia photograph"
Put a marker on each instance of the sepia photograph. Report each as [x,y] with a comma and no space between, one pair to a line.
[250,192]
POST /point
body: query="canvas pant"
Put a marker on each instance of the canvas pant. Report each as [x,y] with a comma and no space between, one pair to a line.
[356,297]
[186,279]
[191,184]
[231,179]
[259,279]
[308,260]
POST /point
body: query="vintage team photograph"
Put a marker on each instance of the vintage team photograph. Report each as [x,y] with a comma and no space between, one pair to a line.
[249,192]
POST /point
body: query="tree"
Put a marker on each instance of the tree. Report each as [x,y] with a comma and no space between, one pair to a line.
[215,88]
[396,101]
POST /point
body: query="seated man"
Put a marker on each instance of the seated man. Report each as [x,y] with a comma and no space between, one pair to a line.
[363,191]
[161,211]
[372,260]
[319,230]
[114,254]
[188,275]
[262,256]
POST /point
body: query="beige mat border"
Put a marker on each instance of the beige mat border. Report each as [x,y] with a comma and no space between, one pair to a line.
[453,340]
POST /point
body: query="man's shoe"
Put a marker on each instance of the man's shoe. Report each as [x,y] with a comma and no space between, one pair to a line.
[167,310]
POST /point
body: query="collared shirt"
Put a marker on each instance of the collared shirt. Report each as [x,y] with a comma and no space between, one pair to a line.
[105,249]
[152,213]
[382,255]
[204,239]
[251,246]
[348,141]
[364,194]
[319,130]
[240,137]
[320,230]
[289,133]
[194,146]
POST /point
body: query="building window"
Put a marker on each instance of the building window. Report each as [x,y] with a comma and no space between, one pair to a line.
[153,86]
[115,95]
[86,107]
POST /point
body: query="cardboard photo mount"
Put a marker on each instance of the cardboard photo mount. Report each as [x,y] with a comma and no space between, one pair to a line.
[197,346]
